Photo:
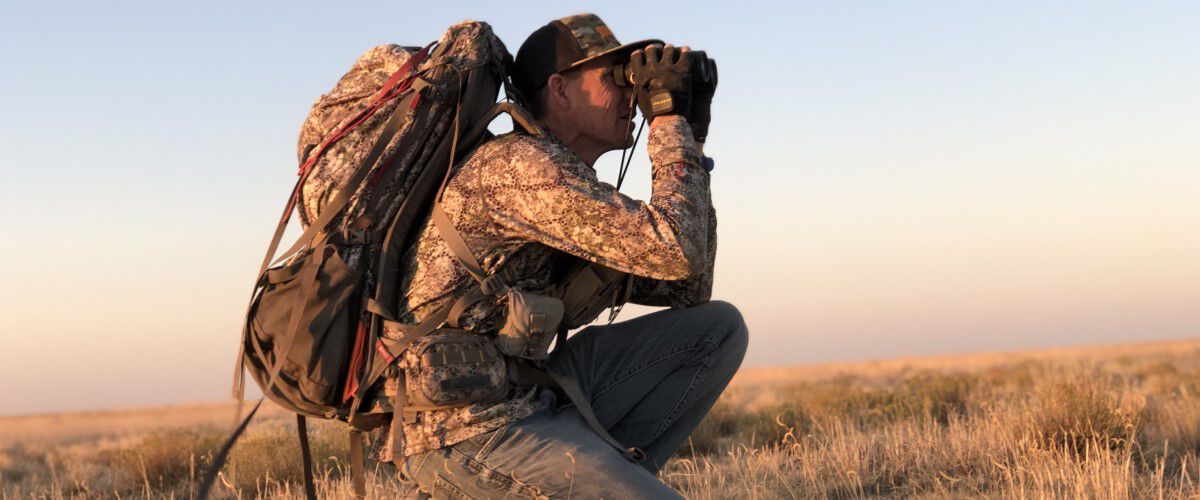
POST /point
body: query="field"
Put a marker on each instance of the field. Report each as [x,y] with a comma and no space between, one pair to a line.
[1104,422]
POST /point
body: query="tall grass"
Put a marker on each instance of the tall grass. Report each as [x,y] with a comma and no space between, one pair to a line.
[1095,423]
[1076,424]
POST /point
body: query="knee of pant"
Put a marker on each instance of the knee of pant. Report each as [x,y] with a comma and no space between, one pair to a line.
[727,321]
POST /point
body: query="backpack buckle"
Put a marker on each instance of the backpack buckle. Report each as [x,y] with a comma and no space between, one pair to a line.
[493,284]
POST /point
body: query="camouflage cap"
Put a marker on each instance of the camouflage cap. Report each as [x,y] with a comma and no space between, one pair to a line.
[564,44]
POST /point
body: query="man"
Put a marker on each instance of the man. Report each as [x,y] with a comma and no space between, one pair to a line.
[529,205]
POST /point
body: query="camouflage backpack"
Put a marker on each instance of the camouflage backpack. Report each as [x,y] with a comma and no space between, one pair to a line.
[374,153]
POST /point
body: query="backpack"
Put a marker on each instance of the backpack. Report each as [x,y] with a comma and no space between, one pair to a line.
[376,153]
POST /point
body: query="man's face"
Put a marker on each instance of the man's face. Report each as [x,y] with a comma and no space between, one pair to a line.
[600,110]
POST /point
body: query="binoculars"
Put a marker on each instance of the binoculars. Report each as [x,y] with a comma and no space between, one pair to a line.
[703,69]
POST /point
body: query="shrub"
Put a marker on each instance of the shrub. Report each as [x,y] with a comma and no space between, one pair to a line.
[939,395]
[726,427]
[162,459]
[931,394]
[273,457]
[1079,415]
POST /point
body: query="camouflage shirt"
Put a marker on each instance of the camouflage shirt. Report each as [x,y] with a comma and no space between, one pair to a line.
[526,205]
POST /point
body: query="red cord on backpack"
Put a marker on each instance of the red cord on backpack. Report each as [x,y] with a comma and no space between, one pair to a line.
[356,362]
[399,82]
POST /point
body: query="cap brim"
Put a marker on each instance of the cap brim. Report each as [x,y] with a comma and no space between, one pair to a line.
[627,48]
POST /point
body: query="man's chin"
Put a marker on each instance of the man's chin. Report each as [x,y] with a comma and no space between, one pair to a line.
[628,140]
[616,143]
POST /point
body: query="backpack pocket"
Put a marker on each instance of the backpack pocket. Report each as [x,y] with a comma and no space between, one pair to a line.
[315,360]
[452,367]
[591,289]
[530,326]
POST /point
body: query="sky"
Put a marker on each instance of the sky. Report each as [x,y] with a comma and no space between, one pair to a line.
[892,178]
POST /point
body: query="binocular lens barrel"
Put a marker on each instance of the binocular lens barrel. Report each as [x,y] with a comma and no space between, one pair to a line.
[623,73]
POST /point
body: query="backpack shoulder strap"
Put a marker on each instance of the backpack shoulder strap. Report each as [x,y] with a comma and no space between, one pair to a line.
[489,284]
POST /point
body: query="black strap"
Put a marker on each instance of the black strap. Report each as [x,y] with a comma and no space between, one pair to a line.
[453,238]
[357,467]
[560,337]
[210,476]
[310,490]
[523,373]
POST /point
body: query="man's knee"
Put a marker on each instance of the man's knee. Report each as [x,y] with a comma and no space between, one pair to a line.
[732,335]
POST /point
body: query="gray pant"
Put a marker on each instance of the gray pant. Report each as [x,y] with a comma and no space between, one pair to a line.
[650,381]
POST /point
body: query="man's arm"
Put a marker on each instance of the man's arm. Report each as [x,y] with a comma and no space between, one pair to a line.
[689,292]
[697,289]
[543,192]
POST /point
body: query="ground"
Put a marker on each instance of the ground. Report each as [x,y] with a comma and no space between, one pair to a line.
[1100,422]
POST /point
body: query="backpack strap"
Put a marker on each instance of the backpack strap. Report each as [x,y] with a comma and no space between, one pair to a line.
[522,373]
[210,476]
[310,490]
[399,401]
[489,284]
[458,246]
[357,461]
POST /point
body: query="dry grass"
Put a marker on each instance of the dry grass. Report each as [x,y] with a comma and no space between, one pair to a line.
[1111,422]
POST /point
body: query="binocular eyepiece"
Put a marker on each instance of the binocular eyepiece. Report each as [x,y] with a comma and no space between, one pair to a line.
[623,75]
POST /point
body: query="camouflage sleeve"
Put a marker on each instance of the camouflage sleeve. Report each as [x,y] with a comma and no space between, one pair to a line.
[541,191]
[690,292]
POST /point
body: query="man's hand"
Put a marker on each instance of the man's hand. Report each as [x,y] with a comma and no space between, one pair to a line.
[704,84]
[663,77]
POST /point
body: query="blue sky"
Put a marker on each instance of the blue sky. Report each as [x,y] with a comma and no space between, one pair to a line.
[893,178]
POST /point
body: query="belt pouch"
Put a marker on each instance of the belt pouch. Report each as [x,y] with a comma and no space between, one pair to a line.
[531,324]
[452,367]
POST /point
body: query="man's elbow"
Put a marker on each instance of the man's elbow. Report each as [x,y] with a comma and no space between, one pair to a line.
[675,270]
[684,266]
[683,260]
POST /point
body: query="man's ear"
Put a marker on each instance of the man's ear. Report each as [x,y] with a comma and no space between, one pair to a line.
[556,93]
